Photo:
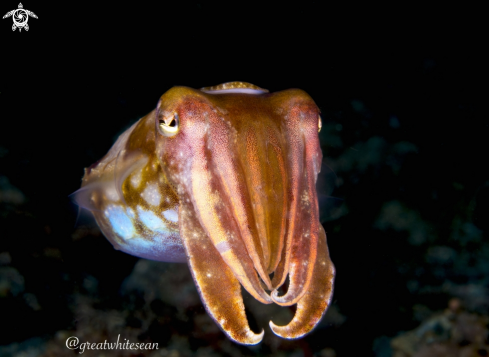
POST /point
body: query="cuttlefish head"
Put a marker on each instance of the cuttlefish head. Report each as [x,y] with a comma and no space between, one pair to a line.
[244,165]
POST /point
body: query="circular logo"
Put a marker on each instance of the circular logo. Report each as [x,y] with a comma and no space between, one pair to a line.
[20,17]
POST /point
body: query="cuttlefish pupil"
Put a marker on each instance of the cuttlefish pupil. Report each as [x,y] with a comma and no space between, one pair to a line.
[223,178]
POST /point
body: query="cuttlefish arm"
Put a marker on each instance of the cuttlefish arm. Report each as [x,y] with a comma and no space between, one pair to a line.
[217,285]
[315,301]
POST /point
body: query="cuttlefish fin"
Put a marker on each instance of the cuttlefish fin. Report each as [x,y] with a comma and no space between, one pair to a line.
[313,304]
[83,196]
[107,182]
[219,289]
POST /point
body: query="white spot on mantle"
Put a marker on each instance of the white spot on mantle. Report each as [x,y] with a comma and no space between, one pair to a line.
[151,194]
[120,221]
[171,215]
[152,221]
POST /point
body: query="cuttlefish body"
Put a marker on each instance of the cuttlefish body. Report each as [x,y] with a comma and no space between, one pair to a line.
[223,178]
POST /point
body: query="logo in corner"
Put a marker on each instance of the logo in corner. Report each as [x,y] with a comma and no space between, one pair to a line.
[20,17]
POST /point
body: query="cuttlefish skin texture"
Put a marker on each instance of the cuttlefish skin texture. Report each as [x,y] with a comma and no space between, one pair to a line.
[223,178]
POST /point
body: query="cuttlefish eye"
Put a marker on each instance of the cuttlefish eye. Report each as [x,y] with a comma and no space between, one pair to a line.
[320,123]
[168,125]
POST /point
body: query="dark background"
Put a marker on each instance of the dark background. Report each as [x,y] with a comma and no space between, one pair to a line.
[403,95]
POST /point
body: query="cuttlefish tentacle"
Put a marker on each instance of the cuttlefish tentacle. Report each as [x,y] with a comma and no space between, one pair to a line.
[232,179]
[295,168]
[255,179]
[212,196]
[302,235]
[218,288]
[276,153]
[314,303]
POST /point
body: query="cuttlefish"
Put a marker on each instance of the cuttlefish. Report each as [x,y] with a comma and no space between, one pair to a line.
[223,178]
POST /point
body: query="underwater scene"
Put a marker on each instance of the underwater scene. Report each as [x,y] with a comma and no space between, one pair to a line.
[297,205]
